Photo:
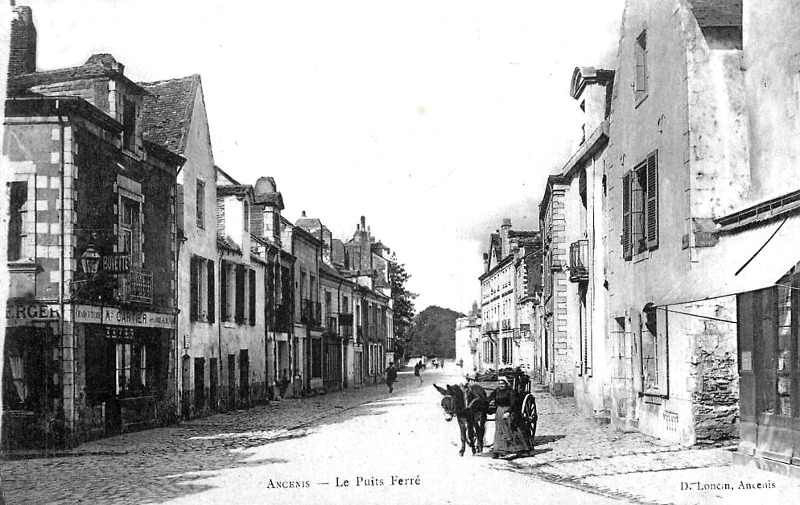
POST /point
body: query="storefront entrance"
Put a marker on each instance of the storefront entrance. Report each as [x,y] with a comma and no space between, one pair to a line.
[769,371]
[126,374]
[32,416]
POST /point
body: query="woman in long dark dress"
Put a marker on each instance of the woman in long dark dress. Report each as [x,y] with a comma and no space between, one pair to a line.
[508,437]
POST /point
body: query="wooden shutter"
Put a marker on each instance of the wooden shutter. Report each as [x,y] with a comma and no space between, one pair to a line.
[224,313]
[252,297]
[627,246]
[239,294]
[211,299]
[652,201]
[636,350]
[194,283]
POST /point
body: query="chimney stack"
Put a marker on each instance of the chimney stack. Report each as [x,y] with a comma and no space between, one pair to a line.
[505,248]
[22,50]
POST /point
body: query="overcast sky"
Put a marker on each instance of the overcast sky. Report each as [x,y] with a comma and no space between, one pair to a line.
[434,119]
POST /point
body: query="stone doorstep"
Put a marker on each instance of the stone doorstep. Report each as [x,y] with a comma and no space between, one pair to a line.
[766,465]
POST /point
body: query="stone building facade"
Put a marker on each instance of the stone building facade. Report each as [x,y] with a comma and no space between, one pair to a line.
[90,348]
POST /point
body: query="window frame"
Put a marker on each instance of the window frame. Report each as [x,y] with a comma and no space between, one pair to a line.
[640,75]
[200,204]
[640,197]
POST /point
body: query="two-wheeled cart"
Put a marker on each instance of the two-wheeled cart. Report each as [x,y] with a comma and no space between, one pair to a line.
[521,383]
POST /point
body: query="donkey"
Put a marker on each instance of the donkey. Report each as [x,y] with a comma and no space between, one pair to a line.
[468,404]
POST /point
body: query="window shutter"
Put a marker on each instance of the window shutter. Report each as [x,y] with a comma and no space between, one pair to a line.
[224,313]
[652,201]
[212,300]
[239,294]
[252,297]
[194,283]
[627,246]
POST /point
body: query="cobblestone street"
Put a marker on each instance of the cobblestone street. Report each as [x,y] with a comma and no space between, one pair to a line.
[366,433]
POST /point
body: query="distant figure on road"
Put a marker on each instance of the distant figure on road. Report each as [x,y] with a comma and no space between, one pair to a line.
[284,383]
[416,370]
[391,377]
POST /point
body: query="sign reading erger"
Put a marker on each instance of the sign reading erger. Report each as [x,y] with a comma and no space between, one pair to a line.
[118,317]
[22,314]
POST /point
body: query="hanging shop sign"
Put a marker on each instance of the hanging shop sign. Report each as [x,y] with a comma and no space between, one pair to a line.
[116,263]
[119,317]
[21,314]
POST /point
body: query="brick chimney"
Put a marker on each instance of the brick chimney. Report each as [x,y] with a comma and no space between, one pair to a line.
[505,248]
[22,50]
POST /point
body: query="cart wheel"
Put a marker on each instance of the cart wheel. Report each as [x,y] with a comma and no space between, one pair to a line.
[530,415]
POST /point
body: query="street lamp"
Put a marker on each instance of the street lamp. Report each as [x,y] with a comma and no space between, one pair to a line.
[90,260]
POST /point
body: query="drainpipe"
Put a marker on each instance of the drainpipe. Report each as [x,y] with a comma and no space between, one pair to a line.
[341,339]
[68,418]
[176,301]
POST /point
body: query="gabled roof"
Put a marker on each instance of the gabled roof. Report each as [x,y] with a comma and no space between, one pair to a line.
[716,13]
[167,111]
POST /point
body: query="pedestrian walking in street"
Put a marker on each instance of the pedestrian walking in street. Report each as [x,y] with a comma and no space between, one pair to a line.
[391,377]
[508,437]
[416,371]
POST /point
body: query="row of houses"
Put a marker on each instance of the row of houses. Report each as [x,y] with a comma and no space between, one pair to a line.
[668,242]
[146,283]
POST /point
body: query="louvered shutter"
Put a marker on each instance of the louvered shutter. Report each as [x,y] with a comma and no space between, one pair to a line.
[224,313]
[211,300]
[252,297]
[239,294]
[652,201]
[194,302]
[627,246]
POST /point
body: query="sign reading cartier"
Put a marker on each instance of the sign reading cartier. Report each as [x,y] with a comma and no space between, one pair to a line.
[113,316]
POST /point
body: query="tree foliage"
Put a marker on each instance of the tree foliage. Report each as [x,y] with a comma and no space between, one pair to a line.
[434,332]
[402,306]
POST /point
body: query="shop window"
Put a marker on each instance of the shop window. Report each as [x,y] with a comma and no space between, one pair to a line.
[18,196]
[26,377]
[131,369]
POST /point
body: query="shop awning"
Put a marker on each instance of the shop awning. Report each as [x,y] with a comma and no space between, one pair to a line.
[743,261]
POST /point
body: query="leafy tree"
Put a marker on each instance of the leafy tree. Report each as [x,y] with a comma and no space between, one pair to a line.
[402,306]
[434,332]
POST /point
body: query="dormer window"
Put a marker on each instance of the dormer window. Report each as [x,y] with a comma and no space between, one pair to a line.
[129,125]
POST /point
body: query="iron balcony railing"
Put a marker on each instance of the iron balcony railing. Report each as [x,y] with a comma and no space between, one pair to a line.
[310,312]
[346,319]
[283,318]
[136,286]
[579,261]
[332,328]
